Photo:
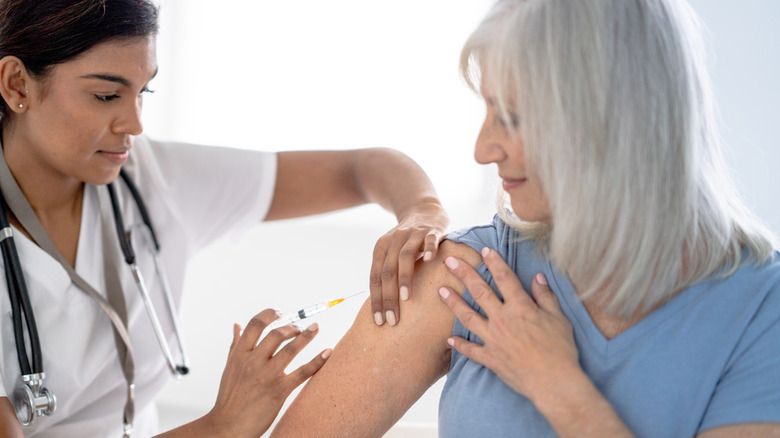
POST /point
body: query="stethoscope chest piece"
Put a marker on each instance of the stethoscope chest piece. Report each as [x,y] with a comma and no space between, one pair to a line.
[31,399]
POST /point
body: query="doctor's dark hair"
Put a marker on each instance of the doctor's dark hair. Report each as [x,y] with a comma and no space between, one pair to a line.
[44,33]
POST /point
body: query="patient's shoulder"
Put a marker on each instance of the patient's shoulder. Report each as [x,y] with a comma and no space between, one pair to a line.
[450,248]
[430,276]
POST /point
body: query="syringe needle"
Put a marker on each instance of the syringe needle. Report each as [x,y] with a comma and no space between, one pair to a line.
[354,295]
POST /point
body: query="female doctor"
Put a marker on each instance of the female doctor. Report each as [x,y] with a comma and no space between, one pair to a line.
[72,77]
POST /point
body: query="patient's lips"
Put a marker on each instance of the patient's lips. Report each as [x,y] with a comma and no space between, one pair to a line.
[512,183]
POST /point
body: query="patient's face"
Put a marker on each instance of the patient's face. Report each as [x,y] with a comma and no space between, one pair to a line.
[495,144]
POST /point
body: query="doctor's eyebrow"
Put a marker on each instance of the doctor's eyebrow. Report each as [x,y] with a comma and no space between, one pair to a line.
[115,78]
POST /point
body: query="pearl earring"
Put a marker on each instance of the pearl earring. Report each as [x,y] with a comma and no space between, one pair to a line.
[21,105]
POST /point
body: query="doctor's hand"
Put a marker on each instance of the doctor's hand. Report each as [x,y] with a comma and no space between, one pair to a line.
[528,341]
[254,384]
[392,267]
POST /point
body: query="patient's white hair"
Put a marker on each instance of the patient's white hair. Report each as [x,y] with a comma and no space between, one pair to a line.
[617,119]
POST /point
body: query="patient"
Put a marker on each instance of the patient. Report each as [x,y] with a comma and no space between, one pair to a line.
[627,292]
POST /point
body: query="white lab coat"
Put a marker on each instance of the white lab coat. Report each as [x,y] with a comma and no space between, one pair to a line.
[195,195]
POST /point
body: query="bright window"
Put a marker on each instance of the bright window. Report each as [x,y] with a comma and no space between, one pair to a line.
[276,75]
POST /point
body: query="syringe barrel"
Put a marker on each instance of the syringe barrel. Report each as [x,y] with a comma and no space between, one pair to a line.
[304,313]
[284,320]
[307,312]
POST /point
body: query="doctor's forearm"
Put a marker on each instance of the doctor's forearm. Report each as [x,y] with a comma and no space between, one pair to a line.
[313,182]
[394,181]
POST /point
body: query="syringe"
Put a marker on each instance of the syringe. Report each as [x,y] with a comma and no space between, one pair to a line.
[308,312]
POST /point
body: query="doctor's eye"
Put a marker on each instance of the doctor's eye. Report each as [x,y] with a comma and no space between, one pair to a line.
[106,98]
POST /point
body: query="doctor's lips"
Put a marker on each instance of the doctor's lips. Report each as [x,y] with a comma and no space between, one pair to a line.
[119,156]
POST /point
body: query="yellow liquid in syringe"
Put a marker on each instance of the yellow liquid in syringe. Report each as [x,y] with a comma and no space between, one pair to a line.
[307,312]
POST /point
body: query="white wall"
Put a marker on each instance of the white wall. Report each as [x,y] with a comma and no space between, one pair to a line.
[311,74]
[745,70]
[343,74]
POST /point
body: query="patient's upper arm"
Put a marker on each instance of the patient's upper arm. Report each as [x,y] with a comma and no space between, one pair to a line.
[377,372]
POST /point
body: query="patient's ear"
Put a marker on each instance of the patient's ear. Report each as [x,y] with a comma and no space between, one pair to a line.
[14,83]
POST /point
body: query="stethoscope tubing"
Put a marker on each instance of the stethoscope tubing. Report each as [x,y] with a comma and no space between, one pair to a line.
[22,313]
[182,369]
[20,300]
[141,207]
[129,255]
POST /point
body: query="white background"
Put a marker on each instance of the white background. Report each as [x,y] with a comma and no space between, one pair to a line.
[307,74]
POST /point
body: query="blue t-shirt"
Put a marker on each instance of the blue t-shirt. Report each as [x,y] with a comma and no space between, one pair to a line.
[708,357]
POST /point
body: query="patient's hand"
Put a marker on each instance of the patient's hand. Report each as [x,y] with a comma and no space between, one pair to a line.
[528,341]
[395,254]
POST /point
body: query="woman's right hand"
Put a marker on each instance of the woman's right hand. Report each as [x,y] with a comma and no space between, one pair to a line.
[254,384]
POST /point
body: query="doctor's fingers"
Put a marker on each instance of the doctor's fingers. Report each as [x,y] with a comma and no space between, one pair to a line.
[248,340]
[421,242]
[279,358]
[277,363]
[431,245]
[269,345]
[286,354]
[236,336]
[383,280]
[302,373]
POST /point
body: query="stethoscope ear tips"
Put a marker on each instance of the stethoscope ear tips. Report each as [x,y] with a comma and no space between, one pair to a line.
[182,370]
[31,401]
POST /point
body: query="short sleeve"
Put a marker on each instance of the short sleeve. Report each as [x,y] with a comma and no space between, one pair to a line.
[491,236]
[210,191]
[749,389]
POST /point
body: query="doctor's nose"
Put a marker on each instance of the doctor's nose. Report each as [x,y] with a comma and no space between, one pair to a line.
[129,121]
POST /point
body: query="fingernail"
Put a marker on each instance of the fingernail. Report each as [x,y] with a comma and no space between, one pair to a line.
[390,315]
[278,312]
[541,279]
[428,256]
[314,327]
[404,293]
[451,342]
[326,354]
[444,292]
[485,251]
[451,262]
[378,318]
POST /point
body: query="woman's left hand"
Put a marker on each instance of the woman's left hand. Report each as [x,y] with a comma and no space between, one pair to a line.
[394,256]
[528,341]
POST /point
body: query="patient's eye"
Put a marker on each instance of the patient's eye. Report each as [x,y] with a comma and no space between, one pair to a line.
[510,120]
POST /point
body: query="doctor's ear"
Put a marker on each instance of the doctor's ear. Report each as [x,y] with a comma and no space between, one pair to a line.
[14,82]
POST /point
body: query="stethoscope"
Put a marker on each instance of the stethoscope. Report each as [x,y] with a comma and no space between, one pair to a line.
[32,398]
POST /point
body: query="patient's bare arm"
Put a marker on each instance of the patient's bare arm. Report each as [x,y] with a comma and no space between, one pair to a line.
[377,372]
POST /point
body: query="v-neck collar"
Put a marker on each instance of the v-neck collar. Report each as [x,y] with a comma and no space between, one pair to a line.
[58,278]
[90,223]
[587,333]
